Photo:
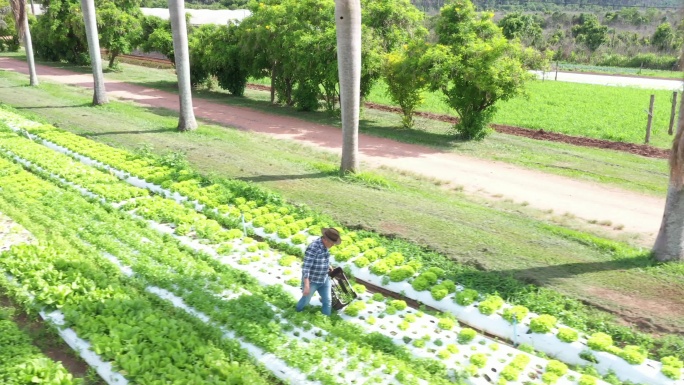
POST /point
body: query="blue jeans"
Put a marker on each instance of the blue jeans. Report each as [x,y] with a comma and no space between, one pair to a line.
[324,290]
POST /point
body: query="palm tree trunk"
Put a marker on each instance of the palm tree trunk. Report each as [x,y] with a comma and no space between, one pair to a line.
[88,9]
[33,10]
[28,46]
[669,245]
[348,20]
[186,120]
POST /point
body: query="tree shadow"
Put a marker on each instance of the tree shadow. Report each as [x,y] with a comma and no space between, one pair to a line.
[273,178]
[157,131]
[43,107]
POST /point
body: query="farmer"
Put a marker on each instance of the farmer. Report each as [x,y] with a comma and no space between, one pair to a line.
[315,269]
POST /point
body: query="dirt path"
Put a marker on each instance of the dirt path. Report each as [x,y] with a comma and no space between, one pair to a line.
[637,213]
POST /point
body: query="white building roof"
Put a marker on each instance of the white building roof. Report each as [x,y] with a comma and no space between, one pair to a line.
[203,16]
[197,16]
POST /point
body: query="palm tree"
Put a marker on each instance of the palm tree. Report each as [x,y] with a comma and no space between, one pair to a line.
[88,9]
[669,245]
[348,21]
[186,119]
[22,25]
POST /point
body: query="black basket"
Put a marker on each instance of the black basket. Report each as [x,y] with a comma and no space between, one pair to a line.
[342,291]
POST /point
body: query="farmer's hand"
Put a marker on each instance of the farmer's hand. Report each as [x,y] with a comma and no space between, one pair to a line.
[307,290]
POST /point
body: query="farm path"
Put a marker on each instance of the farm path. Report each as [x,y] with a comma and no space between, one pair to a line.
[637,213]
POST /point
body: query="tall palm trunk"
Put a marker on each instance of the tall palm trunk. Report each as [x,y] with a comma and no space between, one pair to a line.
[22,25]
[669,245]
[186,119]
[88,9]
[348,20]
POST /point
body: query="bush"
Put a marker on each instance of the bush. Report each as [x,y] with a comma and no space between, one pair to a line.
[467,297]
[520,361]
[402,273]
[543,324]
[510,373]
[398,304]
[380,268]
[587,380]
[361,262]
[446,323]
[600,341]
[635,355]
[556,367]
[479,360]
[671,372]
[466,335]
[520,313]
[673,362]
[549,378]
[439,292]
[420,283]
[567,335]
[354,308]
[491,304]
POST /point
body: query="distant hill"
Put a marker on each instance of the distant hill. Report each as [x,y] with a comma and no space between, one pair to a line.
[432,6]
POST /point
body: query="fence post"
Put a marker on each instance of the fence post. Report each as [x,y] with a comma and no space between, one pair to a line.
[672,112]
[556,70]
[650,120]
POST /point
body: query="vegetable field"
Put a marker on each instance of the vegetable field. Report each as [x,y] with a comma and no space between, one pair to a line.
[603,112]
[158,275]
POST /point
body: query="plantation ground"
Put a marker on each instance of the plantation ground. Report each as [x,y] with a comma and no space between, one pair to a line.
[519,240]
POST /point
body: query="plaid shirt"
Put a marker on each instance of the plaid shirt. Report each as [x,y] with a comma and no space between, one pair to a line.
[316,262]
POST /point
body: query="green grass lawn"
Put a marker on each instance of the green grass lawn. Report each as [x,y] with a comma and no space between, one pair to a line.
[500,238]
[619,71]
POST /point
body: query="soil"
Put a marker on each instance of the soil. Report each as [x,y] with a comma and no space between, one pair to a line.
[52,346]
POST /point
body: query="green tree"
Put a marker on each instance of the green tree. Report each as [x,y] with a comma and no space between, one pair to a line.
[396,22]
[663,37]
[474,65]
[521,26]
[406,80]
[119,25]
[156,36]
[60,33]
[590,32]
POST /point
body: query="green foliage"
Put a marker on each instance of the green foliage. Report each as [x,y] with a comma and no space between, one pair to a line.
[520,312]
[466,335]
[406,81]
[446,323]
[157,36]
[673,362]
[635,355]
[600,341]
[59,34]
[567,335]
[556,367]
[543,324]
[671,372]
[587,380]
[361,262]
[118,24]
[525,27]
[467,297]
[475,66]
[354,308]
[479,360]
[550,378]
[664,37]
[490,305]
[590,32]
[398,304]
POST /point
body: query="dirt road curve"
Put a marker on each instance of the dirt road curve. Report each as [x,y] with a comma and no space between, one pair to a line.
[637,213]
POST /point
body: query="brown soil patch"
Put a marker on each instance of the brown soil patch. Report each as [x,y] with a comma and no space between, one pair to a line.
[49,343]
[638,149]
[632,309]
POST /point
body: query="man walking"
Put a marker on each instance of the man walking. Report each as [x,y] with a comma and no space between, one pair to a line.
[315,270]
